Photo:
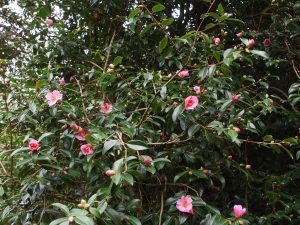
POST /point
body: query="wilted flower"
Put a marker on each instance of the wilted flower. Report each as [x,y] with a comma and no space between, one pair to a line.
[81,134]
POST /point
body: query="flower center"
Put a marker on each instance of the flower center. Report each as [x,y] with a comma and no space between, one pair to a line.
[185,204]
[190,102]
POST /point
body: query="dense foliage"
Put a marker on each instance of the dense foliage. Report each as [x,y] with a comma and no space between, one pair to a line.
[149,112]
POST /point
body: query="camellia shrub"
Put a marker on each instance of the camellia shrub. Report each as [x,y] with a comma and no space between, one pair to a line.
[149,112]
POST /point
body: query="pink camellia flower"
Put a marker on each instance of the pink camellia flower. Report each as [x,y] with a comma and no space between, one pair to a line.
[147,161]
[175,104]
[267,42]
[197,89]
[74,126]
[62,81]
[191,102]
[110,173]
[34,145]
[87,149]
[237,129]
[217,40]
[184,204]
[53,97]
[4,146]
[81,134]
[239,211]
[183,73]
[106,108]
[239,35]
[248,166]
[251,43]
[235,98]
[50,22]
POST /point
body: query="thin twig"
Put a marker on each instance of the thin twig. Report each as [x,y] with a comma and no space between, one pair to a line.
[109,50]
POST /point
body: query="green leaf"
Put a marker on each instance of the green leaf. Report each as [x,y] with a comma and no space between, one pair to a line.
[167,22]
[232,134]
[84,220]
[136,147]
[108,145]
[268,138]
[118,60]
[158,8]
[102,206]
[134,13]
[62,207]
[176,112]
[59,221]
[44,135]
[260,53]
[199,174]
[193,129]
[162,44]
[129,178]
[298,155]
[220,9]
[134,220]
[32,106]
[163,92]
[179,175]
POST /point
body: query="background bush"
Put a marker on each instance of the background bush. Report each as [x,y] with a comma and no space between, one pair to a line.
[129,54]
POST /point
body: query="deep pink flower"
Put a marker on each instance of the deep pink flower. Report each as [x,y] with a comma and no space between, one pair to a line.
[74,126]
[267,42]
[237,129]
[183,73]
[106,108]
[191,102]
[81,134]
[62,81]
[50,22]
[54,97]
[4,146]
[34,145]
[87,149]
[110,173]
[235,98]
[239,211]
[197,89]
[147,161]
[239,35]
[184,204]
[217,40]
[251,43]
[96,15]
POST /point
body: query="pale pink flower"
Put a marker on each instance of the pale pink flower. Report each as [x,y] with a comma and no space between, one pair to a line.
[217,40]
[4,146]
[191,102]
[183,73]
[110,173]
[239,35]
[87,149]
[251,43]
[53,97]
[62,81]
[34,145]
[106,108]
[147,161]
[235,98]
[175,104]
[197,89]
[237,129]
[50,22]
[81,134]
[239,211]
[184,204]
[248,166]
